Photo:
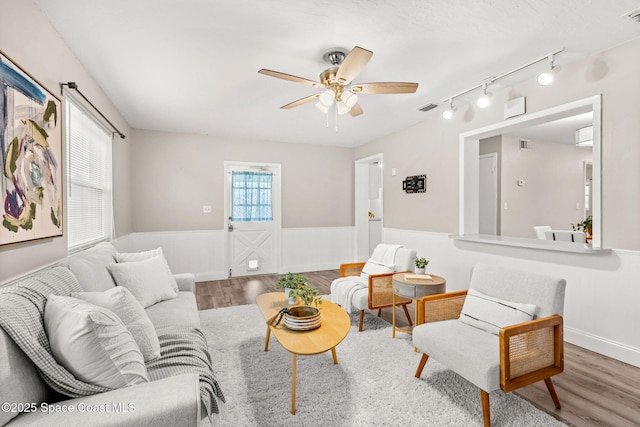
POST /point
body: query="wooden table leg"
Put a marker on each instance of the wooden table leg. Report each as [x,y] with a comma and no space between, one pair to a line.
[335,356]
[293,384]
[266,343]
[393,315]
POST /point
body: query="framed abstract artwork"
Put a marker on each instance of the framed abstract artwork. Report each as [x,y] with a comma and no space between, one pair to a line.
[31,153]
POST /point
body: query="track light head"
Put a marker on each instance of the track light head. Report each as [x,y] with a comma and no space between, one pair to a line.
[546,77]
[449,112]
[485,99]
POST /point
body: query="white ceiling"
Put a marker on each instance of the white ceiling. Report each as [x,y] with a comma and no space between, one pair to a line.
[192,65]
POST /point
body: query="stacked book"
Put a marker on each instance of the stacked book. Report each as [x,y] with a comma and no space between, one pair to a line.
[418,278]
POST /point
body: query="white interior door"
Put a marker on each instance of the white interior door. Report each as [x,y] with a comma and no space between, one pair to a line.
[488,194]
[252,240]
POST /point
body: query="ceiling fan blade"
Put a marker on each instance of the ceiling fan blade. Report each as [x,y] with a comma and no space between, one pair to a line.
[385,88]
[289,77]
[300,102]
[353,63]
[356,110]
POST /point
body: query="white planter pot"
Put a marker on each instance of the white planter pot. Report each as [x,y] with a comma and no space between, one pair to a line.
[287,293]
[419,270]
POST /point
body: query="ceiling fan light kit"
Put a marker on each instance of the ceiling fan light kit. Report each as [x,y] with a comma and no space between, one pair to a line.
[545,78]
[340,93]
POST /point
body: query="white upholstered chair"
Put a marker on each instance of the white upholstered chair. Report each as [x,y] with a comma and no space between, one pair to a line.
[566,236]
[540,231]
[504,332]
[368,285]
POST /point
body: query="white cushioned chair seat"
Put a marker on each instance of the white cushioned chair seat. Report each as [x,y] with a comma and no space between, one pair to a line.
[462,340]
[361,299]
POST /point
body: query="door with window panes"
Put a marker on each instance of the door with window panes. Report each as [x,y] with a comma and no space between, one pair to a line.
[252,222]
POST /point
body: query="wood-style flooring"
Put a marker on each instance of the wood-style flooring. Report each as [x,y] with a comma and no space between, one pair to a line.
[594,390]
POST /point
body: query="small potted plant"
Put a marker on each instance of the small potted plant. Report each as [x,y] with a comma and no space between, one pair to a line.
[586,226]
[421,265]
[291,282]
[308,295]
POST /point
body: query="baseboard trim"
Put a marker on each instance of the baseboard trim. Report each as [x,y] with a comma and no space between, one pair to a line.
[210,276]
[601,345]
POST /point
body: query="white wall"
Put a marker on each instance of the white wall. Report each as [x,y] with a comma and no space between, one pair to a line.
[29,39]
[174,175]
[432,146]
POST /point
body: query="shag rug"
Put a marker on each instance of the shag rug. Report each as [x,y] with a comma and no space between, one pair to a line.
[373,384]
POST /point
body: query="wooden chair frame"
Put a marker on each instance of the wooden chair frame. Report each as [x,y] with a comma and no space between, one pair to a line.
[380,290]
[529,352]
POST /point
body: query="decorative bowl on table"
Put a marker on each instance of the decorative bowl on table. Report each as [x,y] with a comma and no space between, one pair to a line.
[302,318]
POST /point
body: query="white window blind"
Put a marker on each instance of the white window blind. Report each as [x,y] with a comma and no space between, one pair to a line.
[89,201]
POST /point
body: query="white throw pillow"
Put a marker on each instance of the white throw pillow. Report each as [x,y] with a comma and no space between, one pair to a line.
[147,280]
[141,256]
[371,267]
[491,314]
[92,343]
[119,300]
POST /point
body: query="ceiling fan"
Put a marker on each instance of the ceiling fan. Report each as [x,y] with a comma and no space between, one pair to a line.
[338,83]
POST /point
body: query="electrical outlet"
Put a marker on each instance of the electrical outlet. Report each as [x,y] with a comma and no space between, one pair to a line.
[206,209]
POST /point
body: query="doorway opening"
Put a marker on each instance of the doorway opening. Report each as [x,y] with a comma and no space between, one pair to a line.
[368,205]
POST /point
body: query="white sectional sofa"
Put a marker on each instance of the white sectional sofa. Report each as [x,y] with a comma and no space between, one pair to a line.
[173,400]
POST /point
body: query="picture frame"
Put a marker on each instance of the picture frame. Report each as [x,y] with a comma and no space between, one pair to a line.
[31,183]
[415,184]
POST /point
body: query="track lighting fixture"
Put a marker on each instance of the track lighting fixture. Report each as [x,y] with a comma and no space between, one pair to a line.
[485,98]
[449,112]
[544,78]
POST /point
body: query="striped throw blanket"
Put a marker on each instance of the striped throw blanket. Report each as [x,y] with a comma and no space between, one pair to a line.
[185,351]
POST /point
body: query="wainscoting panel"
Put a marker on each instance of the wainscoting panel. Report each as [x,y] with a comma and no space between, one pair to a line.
[602,301]
[315,249]
[203,252]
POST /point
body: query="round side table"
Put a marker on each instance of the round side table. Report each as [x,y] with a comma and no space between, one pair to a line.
[409,285]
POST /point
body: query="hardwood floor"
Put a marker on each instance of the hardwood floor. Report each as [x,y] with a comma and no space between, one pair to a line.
[594,390]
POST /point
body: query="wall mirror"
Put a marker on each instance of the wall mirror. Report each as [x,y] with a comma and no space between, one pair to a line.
[528,171]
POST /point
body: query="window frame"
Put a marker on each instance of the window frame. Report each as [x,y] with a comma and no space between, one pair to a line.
[107,233]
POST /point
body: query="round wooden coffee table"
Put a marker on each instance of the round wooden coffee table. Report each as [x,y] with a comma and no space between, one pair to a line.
[414,286]
[333,329]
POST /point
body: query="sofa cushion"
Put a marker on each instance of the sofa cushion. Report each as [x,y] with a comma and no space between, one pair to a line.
[92,343]
[491,314]
[130,311]
[147,280]
[90,267]
[141,256]
[179,312]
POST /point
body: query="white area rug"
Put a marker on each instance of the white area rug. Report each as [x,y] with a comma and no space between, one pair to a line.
[373,385]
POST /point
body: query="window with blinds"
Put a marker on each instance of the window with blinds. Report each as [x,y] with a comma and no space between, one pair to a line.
[89,202]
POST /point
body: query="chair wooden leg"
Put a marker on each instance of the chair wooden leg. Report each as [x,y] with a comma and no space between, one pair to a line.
[379,312]
[361,320]
[486,412]
[423,361]
[552,392]
[406,313]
